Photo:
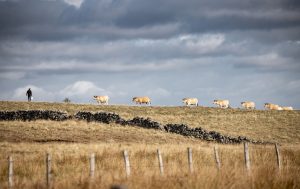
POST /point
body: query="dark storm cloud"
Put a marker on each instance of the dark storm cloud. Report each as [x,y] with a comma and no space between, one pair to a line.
[17,14]
[108,19]
[210,49]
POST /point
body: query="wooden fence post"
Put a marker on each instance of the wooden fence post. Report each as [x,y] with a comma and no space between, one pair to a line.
[278,156]
[48,170]
[247,157]
[92,165]
[217,157]
[160,161]
[10,171]
[127,164]
[190,160]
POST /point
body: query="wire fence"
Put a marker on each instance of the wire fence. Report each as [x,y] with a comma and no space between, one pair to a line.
[160,166]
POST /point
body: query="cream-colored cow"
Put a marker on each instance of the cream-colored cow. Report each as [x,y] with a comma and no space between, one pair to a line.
[287,108]
[248,105]
[190,101]
[269,106]
[141,100]
[101,99]
[222,103]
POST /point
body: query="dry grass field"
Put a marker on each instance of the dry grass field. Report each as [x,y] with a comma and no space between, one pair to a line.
[83,132]
[273,126]
[71,142]
[70,166]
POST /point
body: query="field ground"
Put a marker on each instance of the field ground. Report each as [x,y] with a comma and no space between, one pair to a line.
[70,143]
[70,165]
[273,126]
[83,132]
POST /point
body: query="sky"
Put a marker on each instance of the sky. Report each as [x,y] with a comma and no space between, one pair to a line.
[209,49]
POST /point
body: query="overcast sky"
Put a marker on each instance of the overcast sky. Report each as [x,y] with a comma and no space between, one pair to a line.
[237,50]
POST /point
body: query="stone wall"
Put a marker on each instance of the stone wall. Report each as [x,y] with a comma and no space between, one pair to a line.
[104,117]
[181,129]
[31,115]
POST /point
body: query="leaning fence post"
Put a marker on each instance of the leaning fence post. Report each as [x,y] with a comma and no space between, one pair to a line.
[160,161]
[92,165]
[278,156]
[127,164]
[48,169]
[247,157]
[217,157]
[190,159]
[10,171]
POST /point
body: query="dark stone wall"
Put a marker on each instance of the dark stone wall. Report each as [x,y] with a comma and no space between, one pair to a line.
[31,115]
[181,129]
[104,117]
[205,135]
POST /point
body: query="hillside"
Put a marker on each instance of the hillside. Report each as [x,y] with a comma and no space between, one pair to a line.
[83,132]
[70,143]
[273,126]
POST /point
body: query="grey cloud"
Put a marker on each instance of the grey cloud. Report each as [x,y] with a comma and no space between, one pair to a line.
[56,20]
[180,52]
[166,49]
[126,50]
[16,14]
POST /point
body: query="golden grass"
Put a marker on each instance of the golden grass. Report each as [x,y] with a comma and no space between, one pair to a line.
[71,142]
[83,132]
[70,165]
[273,126]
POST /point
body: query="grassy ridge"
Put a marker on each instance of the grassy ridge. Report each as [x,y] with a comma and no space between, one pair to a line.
[70,143]
[273,126]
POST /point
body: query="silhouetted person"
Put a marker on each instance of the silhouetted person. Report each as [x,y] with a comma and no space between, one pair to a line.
[29,94]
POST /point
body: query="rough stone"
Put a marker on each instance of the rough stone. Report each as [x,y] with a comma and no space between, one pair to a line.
[104,117]
[31,115]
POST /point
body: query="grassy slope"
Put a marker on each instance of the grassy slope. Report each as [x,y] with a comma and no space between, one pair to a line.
[276,126]
[83,132]
[70,160]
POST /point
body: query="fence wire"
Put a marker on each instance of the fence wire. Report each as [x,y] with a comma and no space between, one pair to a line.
[152,163]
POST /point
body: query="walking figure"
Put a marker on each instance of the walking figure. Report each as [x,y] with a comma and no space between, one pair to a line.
[29,95]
